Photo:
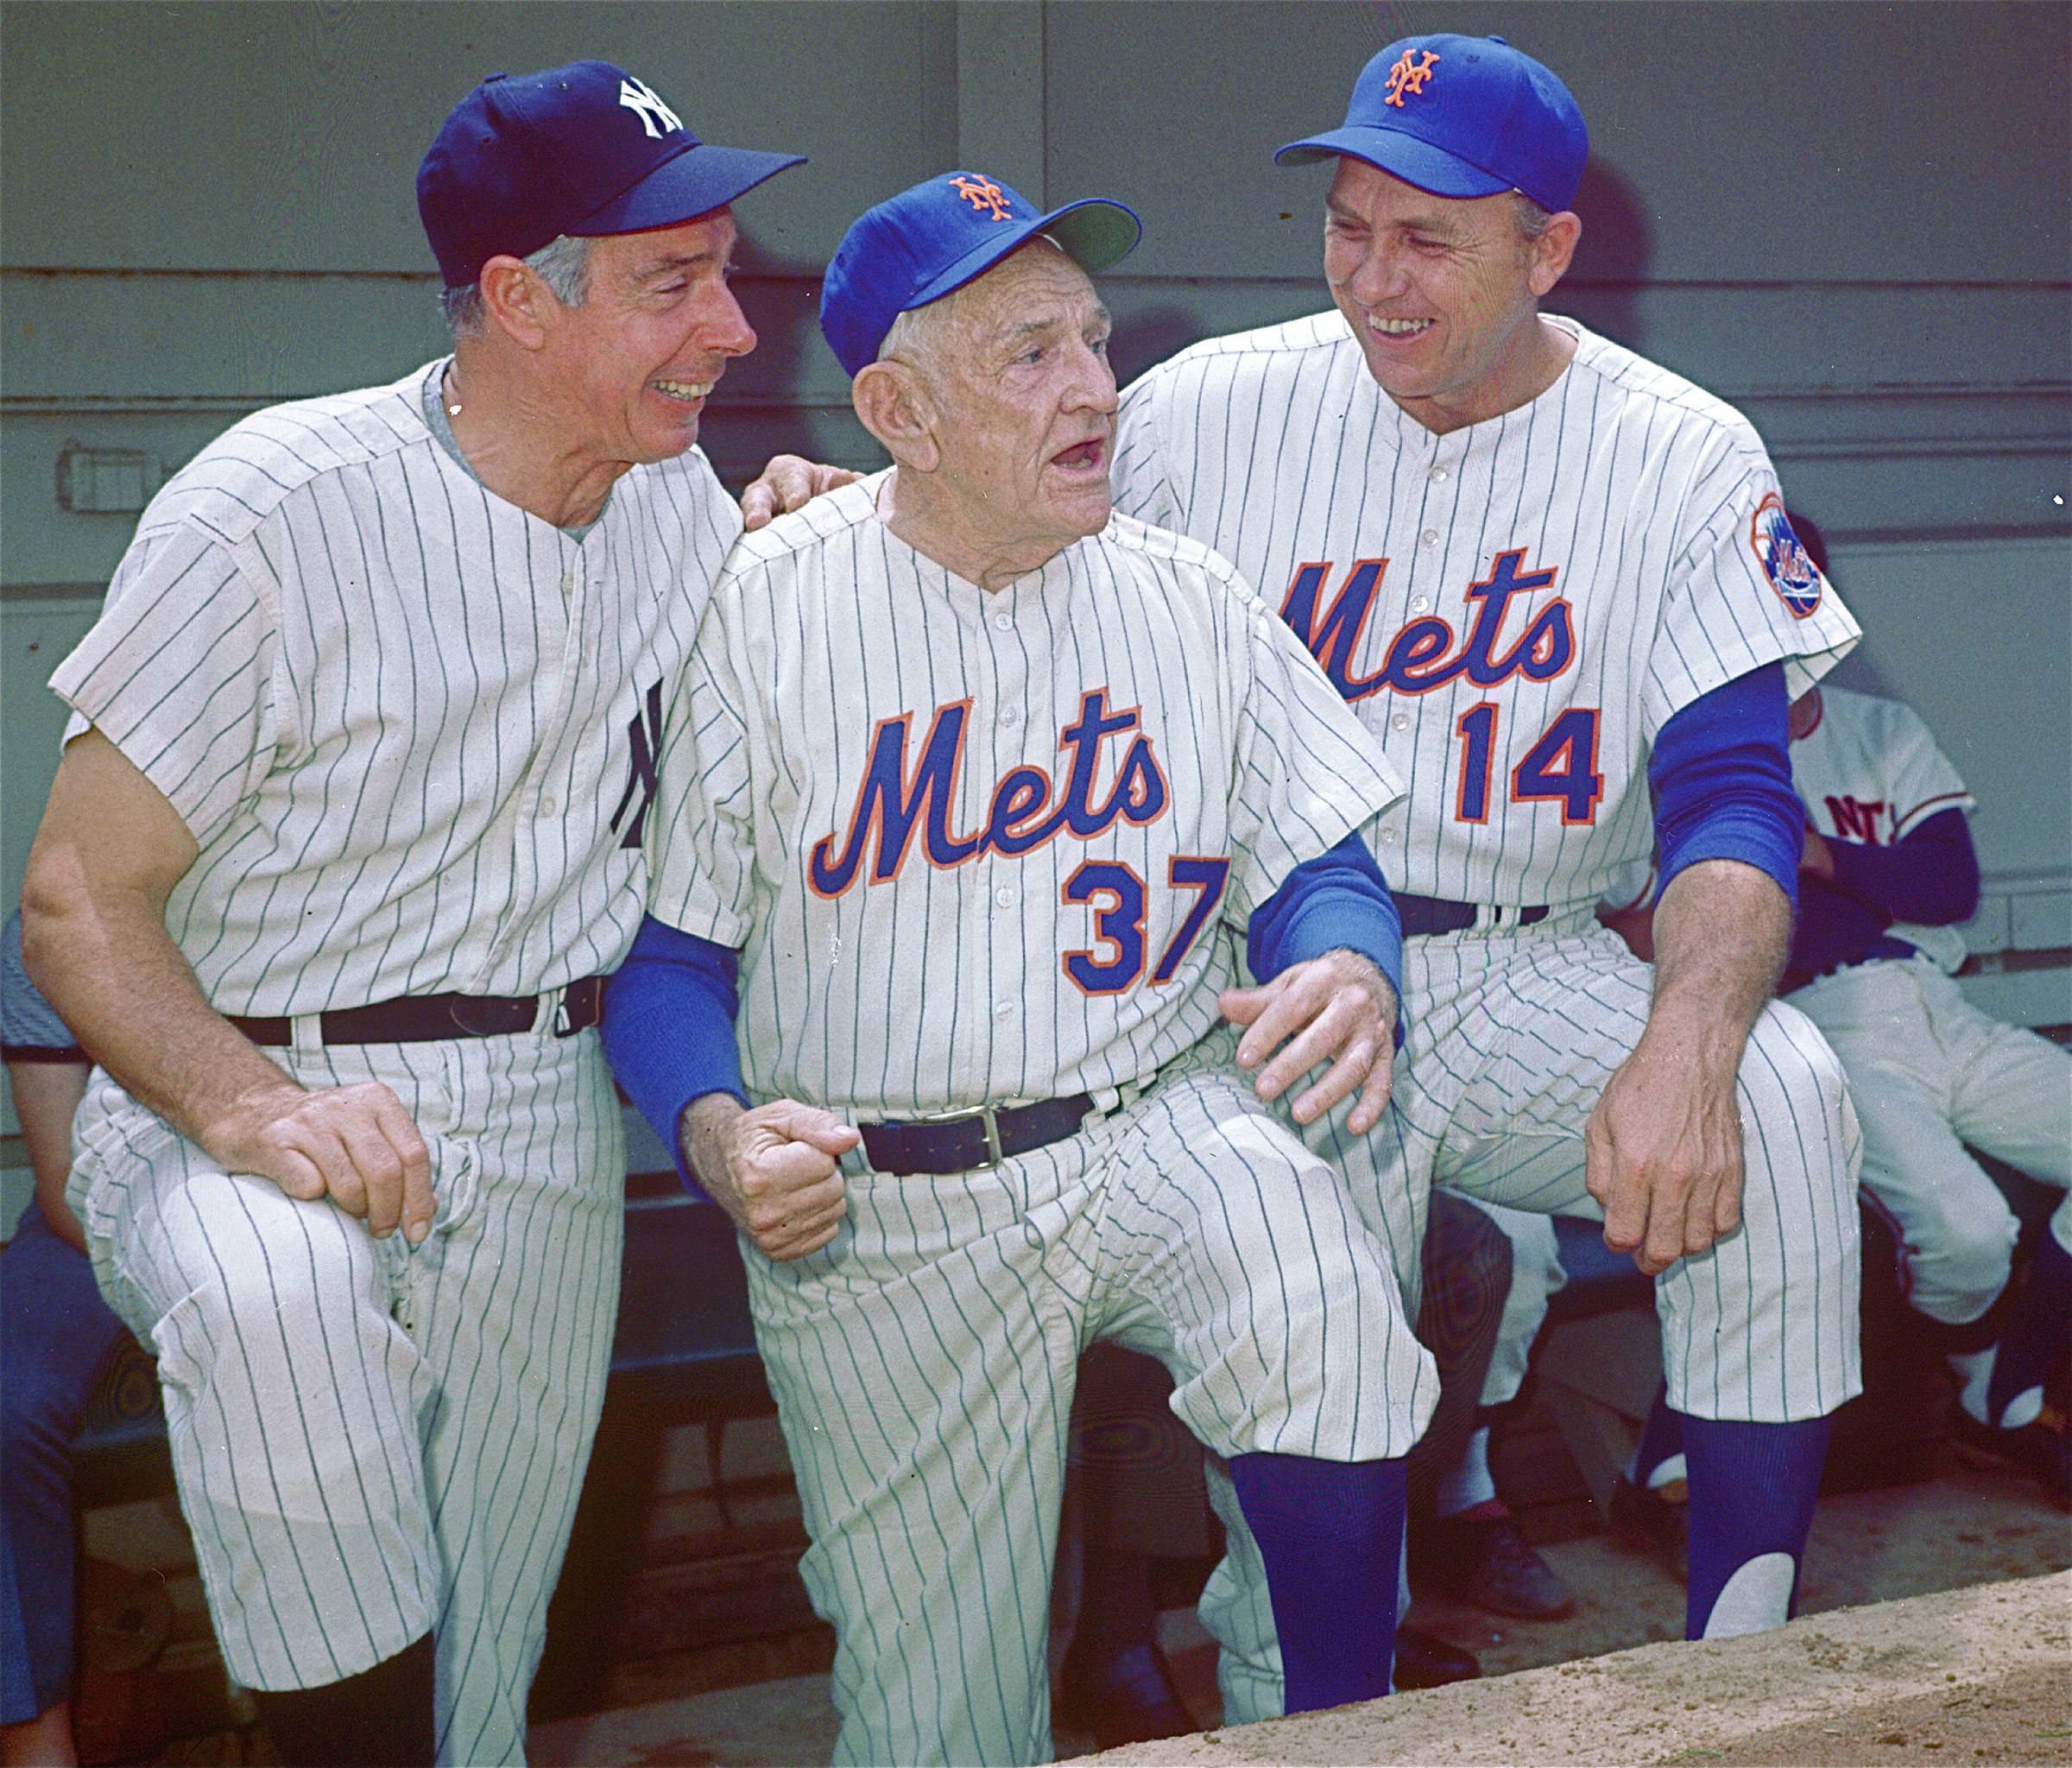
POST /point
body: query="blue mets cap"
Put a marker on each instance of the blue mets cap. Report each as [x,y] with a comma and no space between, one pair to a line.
[582,150]
[927,242]
[1461,117]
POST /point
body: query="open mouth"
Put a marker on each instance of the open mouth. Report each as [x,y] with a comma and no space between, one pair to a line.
[687,391]
[1081,454]
[1400,328]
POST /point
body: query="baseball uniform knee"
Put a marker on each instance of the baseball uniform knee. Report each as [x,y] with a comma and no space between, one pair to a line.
[1959,1255]
[1797,1112]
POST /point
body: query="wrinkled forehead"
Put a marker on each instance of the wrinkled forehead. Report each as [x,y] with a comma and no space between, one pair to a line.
[1035,285]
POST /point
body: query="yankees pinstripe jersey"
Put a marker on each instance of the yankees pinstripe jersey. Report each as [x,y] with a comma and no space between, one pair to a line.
[1517,607]
[994,831]
[1870,774]
[417,756]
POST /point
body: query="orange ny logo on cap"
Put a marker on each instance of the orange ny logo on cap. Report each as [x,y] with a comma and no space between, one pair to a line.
[1403,78]
[983,194]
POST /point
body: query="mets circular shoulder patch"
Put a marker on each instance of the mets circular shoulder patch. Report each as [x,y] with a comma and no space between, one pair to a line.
[1784,558]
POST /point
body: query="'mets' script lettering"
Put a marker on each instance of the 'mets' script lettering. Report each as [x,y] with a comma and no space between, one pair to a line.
[1421,656]
[895,804]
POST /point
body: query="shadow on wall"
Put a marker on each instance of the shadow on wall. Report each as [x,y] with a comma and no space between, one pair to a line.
[1603,285]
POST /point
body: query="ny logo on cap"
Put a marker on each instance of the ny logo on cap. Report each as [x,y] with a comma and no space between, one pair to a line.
[656,118]
[983,194]
[1403,78]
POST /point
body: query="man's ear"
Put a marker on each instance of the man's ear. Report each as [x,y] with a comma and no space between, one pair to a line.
[893,403]
[1554,251]
[517,300]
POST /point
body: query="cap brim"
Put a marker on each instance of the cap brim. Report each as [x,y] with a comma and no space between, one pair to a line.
[694,183]
[1094,232]
[1416,162]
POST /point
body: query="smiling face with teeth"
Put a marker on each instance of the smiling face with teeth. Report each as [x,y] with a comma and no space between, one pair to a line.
[1443,294]
[635,360]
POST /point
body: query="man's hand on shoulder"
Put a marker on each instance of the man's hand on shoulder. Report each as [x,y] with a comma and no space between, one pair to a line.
[773,1169]
[354,1143]
[1337,1008]
[789,483]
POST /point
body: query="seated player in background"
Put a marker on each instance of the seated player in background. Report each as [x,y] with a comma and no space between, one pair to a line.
[961,783]
[56,1334]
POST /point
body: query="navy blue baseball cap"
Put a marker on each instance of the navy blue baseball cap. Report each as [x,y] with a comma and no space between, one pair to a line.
[585,149]
[927,242]
[1461,117]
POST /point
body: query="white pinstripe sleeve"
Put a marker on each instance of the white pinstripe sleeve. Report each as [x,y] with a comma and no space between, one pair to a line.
[1309,772]
[1725,614]
[700,837]
[1143,487]
[178,673]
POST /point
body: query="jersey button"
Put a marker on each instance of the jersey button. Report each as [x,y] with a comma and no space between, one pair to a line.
[1438,476]
[1428,537]
[1004,1010]
[1388,837]
[1008,715]
[1400,722]
[1004,622]
[548,806]
[1004,896]
[1419,603]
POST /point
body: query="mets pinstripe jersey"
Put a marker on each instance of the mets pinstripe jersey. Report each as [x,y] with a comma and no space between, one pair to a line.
[1517,607]
[1013,820]
[413,731]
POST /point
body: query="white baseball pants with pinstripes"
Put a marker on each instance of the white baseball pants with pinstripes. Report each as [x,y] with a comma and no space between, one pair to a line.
[1512,1038]
[372,1441]
[923,1365]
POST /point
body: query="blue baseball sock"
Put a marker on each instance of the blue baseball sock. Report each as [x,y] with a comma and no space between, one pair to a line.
[2034,1339]
[1661,1440]
[1751,1492]
[1331,1535]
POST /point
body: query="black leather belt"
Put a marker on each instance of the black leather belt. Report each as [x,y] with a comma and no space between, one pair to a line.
[1434,914]
[971,1139]
[426,1018]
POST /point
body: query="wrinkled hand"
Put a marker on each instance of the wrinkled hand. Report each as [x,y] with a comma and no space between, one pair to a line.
[355,1145]
[1663,1153]
[788,482]
[771,1169]
[1337,1008]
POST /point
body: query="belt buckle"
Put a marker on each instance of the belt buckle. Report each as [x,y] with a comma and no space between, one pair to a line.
[581,995]
[989,1120]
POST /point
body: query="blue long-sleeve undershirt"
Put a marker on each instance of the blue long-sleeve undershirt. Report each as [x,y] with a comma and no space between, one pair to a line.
[1929,876]
[1722,775]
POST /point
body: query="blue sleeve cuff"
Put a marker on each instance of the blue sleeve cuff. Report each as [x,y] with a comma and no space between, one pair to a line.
[1336,901]
[668,1027]
[1722,775]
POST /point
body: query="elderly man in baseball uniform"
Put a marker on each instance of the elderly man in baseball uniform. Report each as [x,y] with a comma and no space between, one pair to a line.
[1557,582]
[347,827]
[962,781]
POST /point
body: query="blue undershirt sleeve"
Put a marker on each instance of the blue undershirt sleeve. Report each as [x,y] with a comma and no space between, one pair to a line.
[1722,775]
[668,1027]
[1337,901]
[1930,875]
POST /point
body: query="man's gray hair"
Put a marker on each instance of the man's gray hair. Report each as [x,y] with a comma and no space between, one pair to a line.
[1528,216]
[914,335]
[563,264]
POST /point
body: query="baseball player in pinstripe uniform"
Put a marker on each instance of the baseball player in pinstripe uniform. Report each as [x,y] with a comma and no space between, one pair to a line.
[1888,868]
[962,781]
[1554,578]
[348,824]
